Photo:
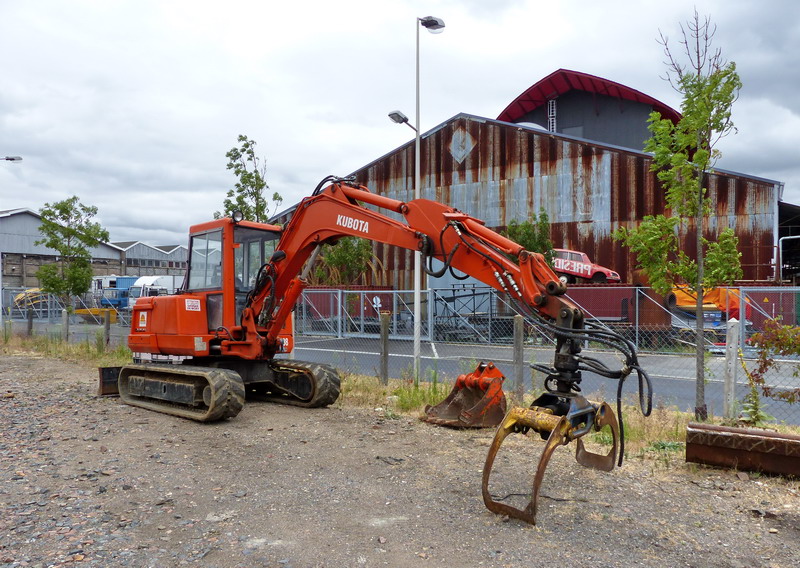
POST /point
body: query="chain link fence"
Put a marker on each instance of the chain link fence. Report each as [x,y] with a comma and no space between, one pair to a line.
[29,311]
[463,326]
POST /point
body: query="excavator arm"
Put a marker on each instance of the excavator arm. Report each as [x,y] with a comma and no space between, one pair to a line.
[460,242]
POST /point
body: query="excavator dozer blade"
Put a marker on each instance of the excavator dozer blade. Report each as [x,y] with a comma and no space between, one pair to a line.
[476,401]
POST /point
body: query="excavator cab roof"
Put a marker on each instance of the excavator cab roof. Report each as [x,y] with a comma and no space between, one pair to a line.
[224,221]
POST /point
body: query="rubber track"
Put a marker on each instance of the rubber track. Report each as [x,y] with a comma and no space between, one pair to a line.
[327,384]
[227,388]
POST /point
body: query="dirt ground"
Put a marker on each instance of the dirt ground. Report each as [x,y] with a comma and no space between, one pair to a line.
[88,481]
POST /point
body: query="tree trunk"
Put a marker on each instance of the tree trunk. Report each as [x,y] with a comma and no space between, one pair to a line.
[700,409]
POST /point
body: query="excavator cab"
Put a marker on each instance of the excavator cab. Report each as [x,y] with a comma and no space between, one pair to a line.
[224,260]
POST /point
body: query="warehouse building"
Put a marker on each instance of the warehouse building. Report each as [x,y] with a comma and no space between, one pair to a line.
[21,257]
[571,144]
[141,259]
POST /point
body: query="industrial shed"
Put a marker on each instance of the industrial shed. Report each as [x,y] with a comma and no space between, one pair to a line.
[20,257]
[538,154]
[141,259]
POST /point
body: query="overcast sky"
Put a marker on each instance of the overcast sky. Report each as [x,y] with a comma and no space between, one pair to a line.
[132,105]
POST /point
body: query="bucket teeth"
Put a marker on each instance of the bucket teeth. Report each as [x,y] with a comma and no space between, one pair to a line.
[476,401]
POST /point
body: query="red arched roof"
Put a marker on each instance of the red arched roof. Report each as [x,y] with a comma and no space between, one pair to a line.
[564,80]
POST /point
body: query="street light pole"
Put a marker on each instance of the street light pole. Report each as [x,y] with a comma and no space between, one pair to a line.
[434,25]
[7,159]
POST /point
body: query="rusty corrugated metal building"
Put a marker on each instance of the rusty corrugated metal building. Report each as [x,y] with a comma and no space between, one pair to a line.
[568,144]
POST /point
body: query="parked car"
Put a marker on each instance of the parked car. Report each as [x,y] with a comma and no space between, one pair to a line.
[572,266]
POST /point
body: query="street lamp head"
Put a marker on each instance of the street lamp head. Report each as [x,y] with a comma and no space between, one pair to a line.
[432,24]
[398,117]
[12,158]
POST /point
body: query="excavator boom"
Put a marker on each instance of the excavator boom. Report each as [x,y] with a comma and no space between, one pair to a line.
[440,232]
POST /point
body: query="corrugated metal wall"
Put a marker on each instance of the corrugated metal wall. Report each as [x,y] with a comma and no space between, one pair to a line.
[498,172]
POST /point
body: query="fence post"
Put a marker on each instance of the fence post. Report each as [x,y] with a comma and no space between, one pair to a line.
[519,357]
[636,299]
[731,360]
[30,322]
[107,326]
[338,298]
[65,325]
[431,318]
[384,367]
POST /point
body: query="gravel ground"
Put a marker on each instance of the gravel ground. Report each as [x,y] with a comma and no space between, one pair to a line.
[88,481]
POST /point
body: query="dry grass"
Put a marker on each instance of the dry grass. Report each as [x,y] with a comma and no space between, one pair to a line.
[398,397]
[659,438]
[94,352]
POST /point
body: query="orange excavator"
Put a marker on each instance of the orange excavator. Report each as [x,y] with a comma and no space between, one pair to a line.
[231,320]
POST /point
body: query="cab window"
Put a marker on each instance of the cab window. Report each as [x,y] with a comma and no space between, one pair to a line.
[255,248]
[205,261]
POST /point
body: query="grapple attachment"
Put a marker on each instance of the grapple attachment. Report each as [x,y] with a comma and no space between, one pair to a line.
[476,401]
[558,429]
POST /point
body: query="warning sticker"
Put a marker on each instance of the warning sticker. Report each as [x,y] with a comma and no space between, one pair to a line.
[192,305]
[142,320]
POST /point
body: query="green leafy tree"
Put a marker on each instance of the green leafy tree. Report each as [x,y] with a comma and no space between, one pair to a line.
[683,155]
[533,235]
[345,262]
[68,229]
[249,193]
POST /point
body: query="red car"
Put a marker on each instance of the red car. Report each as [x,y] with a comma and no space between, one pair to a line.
[572,266]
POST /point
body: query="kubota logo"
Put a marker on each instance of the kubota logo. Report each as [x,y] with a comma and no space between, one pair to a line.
[351,223]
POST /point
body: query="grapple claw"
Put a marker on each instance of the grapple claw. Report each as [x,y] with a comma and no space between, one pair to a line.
[476,401]
[605,417]
[579,420]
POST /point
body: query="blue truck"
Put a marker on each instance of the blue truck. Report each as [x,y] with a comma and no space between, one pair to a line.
[113,291]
